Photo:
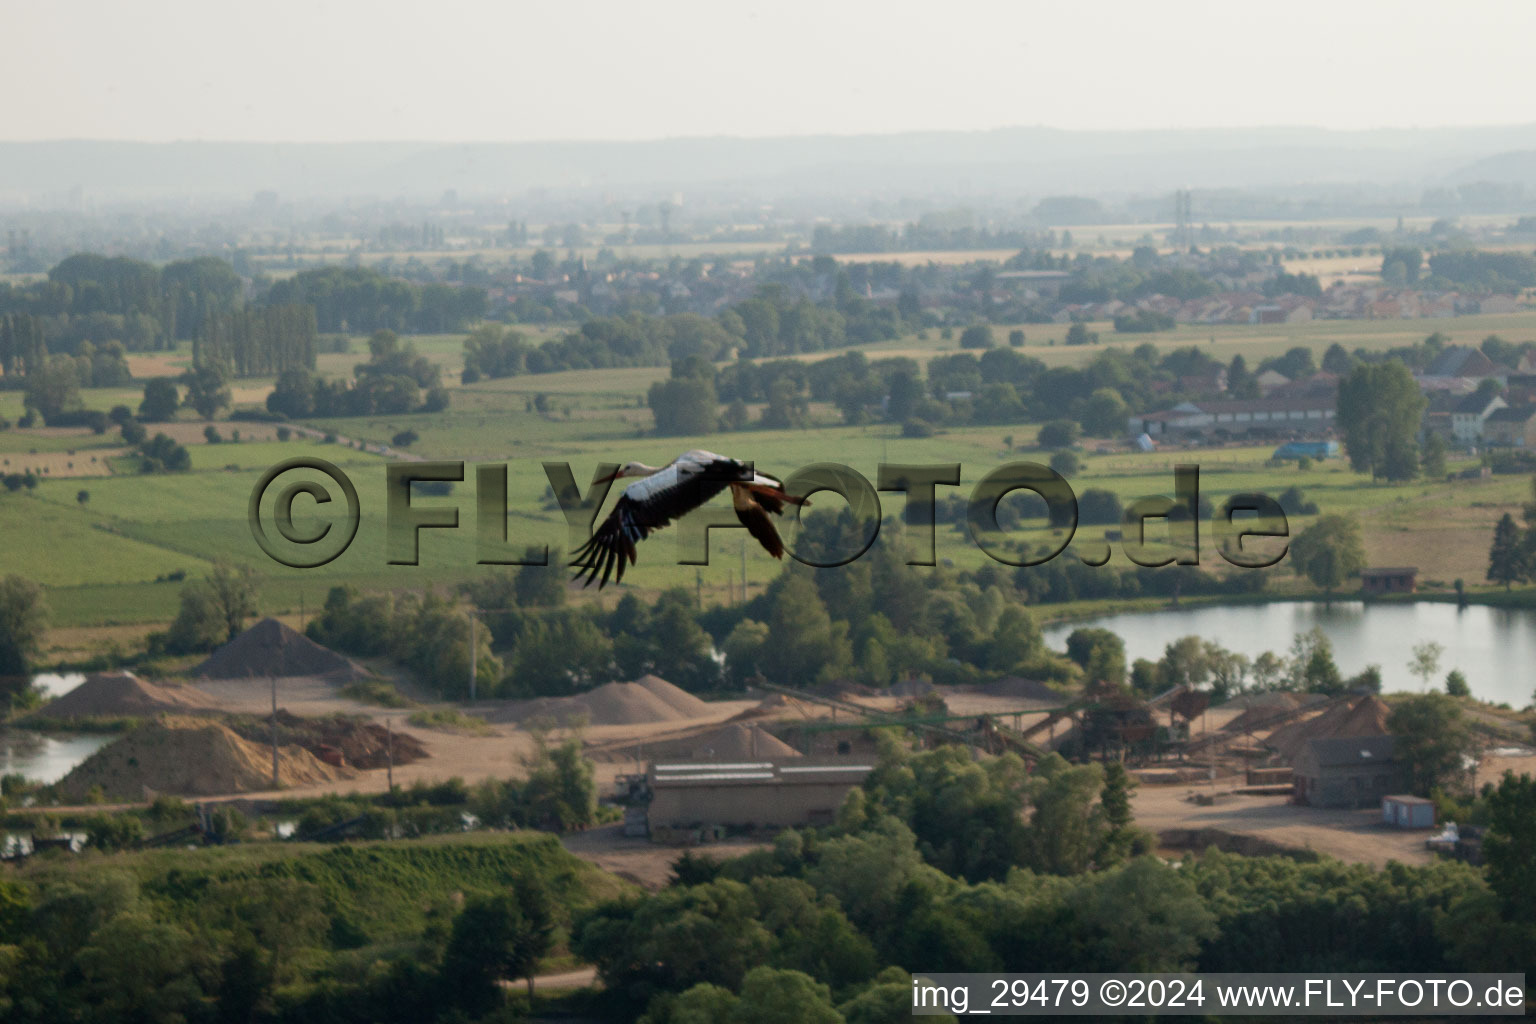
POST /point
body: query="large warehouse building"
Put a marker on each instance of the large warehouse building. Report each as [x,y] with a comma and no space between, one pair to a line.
[748,794]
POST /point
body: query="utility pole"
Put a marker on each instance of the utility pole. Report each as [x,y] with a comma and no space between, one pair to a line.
[472,659]
[698,587]
[274,731]
[389,754]
[743,572]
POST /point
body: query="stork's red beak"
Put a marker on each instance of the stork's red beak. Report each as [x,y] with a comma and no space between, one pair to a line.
[611,476]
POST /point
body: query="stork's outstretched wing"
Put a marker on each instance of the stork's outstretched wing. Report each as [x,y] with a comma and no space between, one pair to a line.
[752,508]
[651,503]
[613,543]
[646,506]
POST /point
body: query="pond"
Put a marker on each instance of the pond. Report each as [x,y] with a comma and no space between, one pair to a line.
[1493,647]
[47,757]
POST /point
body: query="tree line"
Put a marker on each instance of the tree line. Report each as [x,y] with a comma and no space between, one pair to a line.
[94,298]
[362,300]
[258,342]
[395,380]
[770,323]
[997,386]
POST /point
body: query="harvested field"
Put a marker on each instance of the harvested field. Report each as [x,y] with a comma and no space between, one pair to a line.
[62,464]
[166,364]
[191,757]
[192,431]
[120,694]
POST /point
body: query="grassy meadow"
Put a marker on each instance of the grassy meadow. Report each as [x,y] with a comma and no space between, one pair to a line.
[101,558]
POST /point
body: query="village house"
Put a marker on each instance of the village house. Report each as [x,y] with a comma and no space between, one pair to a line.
[1511,427]
[1320,385]
[1470,414]
[1463,361]
[1269,380]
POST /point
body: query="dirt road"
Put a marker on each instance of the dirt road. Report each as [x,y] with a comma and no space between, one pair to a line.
[1354,836]
[638,859]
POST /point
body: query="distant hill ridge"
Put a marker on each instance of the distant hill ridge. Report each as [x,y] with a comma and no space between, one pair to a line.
[1025,159]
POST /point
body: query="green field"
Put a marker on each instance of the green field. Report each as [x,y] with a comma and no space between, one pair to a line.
[100,559]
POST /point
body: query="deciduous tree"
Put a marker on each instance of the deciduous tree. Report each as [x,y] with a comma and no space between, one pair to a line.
[1329,552]
[1434,741]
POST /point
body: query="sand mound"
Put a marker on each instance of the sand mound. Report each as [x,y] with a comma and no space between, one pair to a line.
[727,743]
[119,694]
[676,697]
[1262,708]
[734,742]
[625,704]
[779,705]
[271,649]
[356,741]
[645,702]
[192,757]
[1363,716]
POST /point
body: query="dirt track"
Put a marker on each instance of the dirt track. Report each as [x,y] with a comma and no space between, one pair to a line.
[1352,836]
[1355,836]
[638,859]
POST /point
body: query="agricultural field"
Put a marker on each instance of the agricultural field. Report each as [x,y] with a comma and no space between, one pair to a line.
[105,554]
[1255,342]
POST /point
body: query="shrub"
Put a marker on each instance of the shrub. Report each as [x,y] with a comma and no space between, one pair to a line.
[1066,463]
[977,336]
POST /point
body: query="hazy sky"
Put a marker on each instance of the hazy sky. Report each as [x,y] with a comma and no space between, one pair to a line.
[342,70]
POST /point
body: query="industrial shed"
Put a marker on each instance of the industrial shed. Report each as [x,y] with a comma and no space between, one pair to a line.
[748,794]
[1347,771]
[1408,811]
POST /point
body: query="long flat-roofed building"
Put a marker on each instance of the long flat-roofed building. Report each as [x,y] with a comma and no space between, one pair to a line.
[1236,417]
[749,794]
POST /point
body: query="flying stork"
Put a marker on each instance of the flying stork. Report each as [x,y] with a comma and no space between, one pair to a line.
[663,493]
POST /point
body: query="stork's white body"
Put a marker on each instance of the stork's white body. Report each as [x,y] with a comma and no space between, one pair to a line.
[675,473]
[662,494]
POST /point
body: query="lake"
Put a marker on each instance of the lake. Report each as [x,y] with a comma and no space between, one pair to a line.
[1493,647]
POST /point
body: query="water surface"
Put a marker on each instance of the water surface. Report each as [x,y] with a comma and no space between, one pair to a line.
[1494,648]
